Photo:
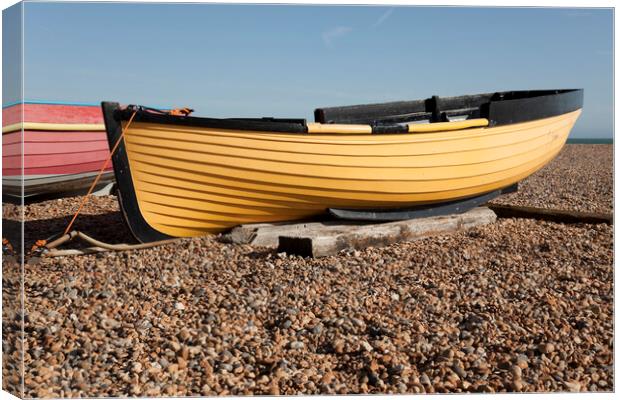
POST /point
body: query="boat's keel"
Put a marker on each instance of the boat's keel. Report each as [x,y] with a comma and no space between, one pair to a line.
[425,211]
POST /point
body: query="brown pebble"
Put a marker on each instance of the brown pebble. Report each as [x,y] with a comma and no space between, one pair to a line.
[546,348]
[338,346]
[572,386]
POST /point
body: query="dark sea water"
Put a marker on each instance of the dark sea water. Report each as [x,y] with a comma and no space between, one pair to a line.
[589,141]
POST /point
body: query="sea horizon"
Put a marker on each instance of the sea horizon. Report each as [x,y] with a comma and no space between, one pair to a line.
[590,141]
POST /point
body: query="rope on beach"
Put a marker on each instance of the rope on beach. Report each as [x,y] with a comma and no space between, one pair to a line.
[98,246]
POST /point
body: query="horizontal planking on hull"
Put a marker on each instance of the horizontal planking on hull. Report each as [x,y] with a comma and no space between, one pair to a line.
[179,175]
[59,148]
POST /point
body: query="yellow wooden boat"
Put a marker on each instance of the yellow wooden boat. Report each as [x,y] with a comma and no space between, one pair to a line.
[187,176]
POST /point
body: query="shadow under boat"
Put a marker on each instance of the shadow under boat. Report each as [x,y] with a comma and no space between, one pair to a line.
[108,227]
[111,227]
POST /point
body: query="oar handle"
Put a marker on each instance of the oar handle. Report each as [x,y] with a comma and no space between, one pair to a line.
[347,129]
[448,126]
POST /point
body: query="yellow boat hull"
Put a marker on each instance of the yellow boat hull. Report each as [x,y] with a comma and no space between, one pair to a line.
[192,181]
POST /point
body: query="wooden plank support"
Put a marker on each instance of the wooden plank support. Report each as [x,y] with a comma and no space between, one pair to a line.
[553,215]
[319,239]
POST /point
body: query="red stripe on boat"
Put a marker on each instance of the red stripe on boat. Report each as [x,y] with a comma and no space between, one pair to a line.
[54,148]
[54,136]
[52,114]
[52,160]
[56,170]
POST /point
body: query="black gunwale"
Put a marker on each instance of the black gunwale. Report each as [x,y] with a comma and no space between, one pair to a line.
[277,125]
[500,108]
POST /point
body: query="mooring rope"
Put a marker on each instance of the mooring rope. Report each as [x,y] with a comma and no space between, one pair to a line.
[48,248]
[103,167]
[40,244]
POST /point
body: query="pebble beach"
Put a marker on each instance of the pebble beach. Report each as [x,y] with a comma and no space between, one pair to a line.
[515,306]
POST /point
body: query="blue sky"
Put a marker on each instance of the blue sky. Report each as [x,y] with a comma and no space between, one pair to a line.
[284,61]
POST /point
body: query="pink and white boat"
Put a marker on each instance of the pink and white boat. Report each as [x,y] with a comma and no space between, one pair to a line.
[64,146]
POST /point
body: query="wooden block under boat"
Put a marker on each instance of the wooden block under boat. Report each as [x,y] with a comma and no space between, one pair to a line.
[319,239]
